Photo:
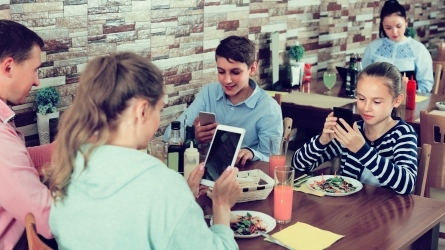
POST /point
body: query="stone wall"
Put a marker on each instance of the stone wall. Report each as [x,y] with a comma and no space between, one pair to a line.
[180,36]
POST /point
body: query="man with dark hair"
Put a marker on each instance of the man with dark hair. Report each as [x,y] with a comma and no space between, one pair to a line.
[20,188]
[237,101]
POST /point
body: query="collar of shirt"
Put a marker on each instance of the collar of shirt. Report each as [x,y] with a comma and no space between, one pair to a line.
[6,113]
[250,102]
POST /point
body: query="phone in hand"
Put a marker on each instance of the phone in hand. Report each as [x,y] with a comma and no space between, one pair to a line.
[206,118]
[345,114]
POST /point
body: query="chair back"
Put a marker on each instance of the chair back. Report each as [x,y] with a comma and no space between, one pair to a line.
[287,121]
[439,78]
[441,51]
[432,132]
[277,98]
[34,242]
[423,161]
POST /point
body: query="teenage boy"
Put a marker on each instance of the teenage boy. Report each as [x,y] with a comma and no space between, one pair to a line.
[237,101]
[20,188]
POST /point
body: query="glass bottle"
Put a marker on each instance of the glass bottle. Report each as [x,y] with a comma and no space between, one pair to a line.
[175,156]
[359,63]
[190,137]
[351,78]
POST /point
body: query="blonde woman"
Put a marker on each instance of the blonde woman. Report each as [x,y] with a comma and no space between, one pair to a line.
[107,194]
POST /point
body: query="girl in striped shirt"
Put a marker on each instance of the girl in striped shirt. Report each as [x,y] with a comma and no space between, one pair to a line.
[381,149]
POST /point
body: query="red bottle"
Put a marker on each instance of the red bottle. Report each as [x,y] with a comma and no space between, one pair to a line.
[411,94]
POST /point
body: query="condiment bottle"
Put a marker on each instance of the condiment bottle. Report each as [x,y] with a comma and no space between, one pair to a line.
[175,156]
[411,94]
[404,83]
[191,160]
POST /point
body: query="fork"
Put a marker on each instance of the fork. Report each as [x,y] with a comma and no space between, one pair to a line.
[275,240]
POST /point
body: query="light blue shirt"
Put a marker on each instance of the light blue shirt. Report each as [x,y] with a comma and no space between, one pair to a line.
[260,115]
[407,55]
[126,199]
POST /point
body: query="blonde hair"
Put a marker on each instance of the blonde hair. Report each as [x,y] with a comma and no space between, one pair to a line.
[106,86]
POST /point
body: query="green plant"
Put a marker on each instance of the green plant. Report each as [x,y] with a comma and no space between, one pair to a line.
[296,52]
[410,32]
[47,100]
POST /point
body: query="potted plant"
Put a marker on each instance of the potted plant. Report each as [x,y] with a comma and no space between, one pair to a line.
[411,32]
[296,53]
[46,102]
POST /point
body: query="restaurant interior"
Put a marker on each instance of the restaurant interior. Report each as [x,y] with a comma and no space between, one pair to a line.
[180,37]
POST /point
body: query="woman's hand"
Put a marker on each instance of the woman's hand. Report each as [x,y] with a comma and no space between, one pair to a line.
[351,138]
[225,193]
[194,181]
[204,134]
[243,156]
[328,133]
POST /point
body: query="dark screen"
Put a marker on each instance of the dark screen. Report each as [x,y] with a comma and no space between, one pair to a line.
[221,154]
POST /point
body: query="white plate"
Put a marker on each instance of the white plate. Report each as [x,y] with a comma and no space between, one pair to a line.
[266,219]
[354,182]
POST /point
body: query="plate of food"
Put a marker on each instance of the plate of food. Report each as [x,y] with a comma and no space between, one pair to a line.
[246,224]
[334,185]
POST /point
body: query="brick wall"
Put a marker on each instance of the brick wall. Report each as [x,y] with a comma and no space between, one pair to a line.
[180,36]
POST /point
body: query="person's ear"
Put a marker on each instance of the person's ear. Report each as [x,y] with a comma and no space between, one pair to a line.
[253,68]
[6,66]
[398,100]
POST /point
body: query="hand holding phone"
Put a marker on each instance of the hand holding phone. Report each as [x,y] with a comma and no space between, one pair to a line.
[206,118]
[345,114]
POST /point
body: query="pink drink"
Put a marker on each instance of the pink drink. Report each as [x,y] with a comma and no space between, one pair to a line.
[276,161]
[283,203]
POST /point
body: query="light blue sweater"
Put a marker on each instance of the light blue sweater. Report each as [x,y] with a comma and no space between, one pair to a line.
[407,55]
[126,199]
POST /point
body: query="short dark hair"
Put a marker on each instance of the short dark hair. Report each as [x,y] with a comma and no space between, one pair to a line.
[390,7]
[16,40]
[236,48]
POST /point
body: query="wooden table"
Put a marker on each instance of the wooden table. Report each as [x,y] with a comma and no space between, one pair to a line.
[314,118]
[374,218]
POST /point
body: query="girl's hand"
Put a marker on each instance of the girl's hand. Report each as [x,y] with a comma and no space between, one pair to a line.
[351,138]
[328,133]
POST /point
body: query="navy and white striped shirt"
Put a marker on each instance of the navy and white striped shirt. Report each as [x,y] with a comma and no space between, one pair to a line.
[392,158]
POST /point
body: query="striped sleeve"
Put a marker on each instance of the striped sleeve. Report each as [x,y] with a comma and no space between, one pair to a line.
[313,153]
[399,174]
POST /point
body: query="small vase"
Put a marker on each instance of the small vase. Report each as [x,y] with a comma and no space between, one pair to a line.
[43,126]
[296,79]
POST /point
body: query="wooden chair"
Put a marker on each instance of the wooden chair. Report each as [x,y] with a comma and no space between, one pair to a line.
[440,51]
[287,121]
[439,78]
[432,132]
[423,161]
[34,242]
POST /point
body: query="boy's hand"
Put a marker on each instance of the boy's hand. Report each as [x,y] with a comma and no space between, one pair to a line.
[204,134]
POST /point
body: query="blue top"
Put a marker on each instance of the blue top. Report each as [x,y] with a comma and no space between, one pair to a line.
[260,115]
[407,55]
[390,161]
[126,199]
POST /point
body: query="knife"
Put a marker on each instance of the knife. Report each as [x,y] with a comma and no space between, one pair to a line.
[275,240]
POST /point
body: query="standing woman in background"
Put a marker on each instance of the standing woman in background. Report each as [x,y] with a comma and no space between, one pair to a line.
[396,48]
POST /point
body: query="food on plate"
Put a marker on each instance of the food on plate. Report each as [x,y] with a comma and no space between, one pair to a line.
[333,185]
[247,225]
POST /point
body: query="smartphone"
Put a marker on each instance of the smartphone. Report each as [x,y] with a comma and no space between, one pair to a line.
[206,118]
[223,151]
[345,114]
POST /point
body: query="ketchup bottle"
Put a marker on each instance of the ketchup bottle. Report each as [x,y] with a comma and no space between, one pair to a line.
[411,94]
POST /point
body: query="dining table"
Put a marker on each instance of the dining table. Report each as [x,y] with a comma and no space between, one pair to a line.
[373,218]
[312,117]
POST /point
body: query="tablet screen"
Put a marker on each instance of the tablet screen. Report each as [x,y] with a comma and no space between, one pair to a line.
[221,153]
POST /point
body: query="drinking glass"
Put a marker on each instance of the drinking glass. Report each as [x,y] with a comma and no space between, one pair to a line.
[329,79]
[283,194]
[158,148]
[278,150]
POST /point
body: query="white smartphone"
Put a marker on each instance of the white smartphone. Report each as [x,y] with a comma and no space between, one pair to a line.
[222,153]
[206,118]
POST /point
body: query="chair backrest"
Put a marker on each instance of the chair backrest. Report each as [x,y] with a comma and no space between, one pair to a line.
[34,242]
[432,132]
[441,51]
[277,98]
[423,161]
[439,78]
[287,121]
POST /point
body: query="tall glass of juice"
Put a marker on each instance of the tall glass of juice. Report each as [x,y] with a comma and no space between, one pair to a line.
[283,194]
[278,150]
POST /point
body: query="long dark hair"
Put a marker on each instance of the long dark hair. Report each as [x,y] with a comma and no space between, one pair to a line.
[390,7]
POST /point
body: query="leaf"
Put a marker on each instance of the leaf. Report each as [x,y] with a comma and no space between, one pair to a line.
[249,215]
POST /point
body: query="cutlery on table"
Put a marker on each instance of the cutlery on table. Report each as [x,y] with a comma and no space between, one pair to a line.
[275,240]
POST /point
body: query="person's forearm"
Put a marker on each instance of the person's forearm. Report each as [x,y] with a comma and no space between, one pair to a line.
[221,214]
